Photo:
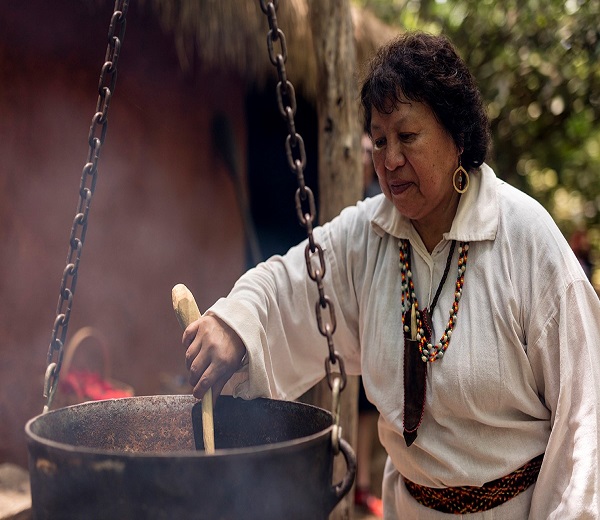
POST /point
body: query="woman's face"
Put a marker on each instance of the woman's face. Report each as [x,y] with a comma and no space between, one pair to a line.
[415,158]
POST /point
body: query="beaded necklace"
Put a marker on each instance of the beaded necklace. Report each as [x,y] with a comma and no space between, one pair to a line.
[430,352]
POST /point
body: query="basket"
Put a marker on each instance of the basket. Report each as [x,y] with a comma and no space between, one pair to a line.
[80,384]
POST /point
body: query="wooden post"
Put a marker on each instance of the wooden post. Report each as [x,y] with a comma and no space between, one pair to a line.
[340,177]
[340,174]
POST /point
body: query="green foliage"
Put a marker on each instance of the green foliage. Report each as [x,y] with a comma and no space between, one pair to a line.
[537,63]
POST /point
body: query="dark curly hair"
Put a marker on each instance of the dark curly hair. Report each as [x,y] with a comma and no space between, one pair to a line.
[425,68]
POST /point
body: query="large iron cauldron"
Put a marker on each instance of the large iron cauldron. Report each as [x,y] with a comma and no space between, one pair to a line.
[139,458]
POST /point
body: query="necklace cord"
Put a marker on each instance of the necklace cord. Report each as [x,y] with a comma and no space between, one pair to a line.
[444,276]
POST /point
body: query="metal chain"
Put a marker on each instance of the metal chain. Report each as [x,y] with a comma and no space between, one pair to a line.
[96,136]
[305,200]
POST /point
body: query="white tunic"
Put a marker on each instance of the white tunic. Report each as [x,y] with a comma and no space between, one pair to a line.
[521,375]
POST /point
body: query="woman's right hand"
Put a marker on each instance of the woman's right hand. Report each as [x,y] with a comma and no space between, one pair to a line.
[214,352]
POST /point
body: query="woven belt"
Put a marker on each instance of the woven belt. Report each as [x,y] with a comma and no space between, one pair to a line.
[473,499]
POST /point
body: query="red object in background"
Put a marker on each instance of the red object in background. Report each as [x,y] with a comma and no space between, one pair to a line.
[369,502]
[86,385]
[81,383]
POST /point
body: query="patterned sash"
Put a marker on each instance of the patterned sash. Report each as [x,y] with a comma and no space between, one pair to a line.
[472,499]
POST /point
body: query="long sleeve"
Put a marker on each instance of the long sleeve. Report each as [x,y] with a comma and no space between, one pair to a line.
[567,367]
[273,309]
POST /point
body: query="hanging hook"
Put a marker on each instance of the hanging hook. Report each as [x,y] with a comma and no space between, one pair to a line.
[336,432]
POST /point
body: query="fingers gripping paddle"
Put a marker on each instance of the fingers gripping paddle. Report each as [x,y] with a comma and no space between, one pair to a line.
[187,311]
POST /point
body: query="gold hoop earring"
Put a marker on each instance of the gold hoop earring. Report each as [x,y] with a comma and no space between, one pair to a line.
[463,178]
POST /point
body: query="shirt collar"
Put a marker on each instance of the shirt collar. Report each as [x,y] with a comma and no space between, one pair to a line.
[476,217]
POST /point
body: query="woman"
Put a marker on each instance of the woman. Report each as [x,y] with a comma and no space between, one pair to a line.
[457,299]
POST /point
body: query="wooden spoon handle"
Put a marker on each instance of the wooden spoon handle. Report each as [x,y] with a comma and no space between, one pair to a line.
[187,311]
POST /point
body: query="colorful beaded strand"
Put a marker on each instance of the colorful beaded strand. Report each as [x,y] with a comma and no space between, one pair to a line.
[408,294]
[430,352]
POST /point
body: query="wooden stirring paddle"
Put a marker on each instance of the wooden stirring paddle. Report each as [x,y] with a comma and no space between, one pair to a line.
[187,311]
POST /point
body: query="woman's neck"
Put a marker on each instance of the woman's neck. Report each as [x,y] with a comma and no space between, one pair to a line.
[432,229]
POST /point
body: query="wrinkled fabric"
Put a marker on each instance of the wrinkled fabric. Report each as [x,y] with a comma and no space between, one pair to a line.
[521,375]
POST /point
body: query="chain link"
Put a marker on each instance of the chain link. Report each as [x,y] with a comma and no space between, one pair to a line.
[305,201]
[96,136]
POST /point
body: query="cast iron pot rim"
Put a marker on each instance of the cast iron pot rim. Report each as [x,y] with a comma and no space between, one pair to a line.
[250,450]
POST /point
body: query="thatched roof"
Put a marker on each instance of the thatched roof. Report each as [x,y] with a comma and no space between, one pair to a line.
[232,34]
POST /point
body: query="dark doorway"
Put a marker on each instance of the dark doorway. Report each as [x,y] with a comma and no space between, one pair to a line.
[272,184]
